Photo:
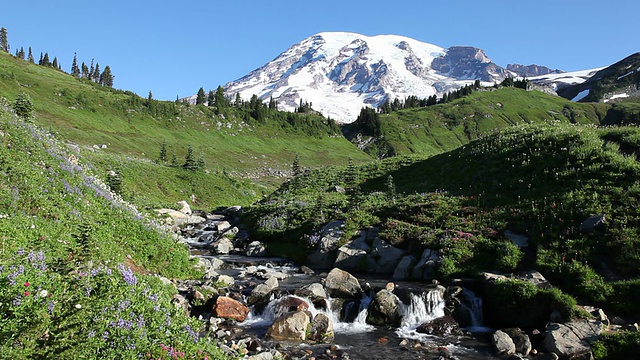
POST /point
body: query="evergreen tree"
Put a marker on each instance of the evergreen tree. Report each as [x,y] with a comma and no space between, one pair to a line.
[4,40]
[21,53]
[319,208]
[30,56]
[189,161]
[75,70]
[174,160]
[55,62]
[391,188]
[238,102]
[96,74]
[201,97]
[211,98]
[106,78]
[297,170]
[220,99]
[200,162]
[23,106]
[45,60]
[163,152]
[40,61]
[85,71]
[92,69]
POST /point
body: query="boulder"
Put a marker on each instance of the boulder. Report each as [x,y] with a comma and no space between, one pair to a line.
[261,292]
[353,255]
[223,246]
[291,303]
[222,226]
[256,248]
[340,283]
[290,327]
[321,329]
[326,241]
[520,339]
[384,309]
[313,292]
[226,279]
[502,343]
[403,270]
[573,339]
[228,308]
[520,241]
[384,256]
[195,220]
[426,265]
[442,326]
[537,279]
[216,263]
[173,217]
[593,223]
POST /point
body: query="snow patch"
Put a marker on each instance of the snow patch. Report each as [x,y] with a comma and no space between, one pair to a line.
[625,75]
[581,95]
[617,96]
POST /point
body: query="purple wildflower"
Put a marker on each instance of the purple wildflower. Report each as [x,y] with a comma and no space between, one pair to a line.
[127,275]
[17,301]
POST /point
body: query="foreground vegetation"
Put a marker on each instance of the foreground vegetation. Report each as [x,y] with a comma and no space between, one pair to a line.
[76,262]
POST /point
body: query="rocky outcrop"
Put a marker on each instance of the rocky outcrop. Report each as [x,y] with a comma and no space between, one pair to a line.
[385,309]
[520,340]
[314,292]
[571,340]
[502,343]
[403,270]
[425,267]
[466,62]
[531,70]
[262,291]
[326,242]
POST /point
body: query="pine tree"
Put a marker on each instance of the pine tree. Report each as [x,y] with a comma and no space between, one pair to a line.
[92,68]
[85,71]
[200,162]
[106,78]
[96,74]
[30,56]
[55,62]
[163,152]
[211,98]
[45,60]
[238,101]
[75,70]
[174,160]
[23,106]
[21,53]
[391,188]
[297,171]
[201,97]
[4,41]
[220,99]
[189,161]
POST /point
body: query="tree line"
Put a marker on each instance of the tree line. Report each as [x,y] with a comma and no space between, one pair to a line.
[91,73]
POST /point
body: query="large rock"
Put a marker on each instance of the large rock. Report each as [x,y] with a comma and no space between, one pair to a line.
[228,308]
[520,339]
[442,326]
[290,303]
[353,255]
[403,270]
[173,217]
[384,256]
[573,339]
[426,265]
[290,327]
[222,226]
[593,223]
[520,241]
[327,241]
[340,283]
[313,292]
[536,279]
[384,309]
[262,292]
[256,248]
[184,207]
[502,343]
[223,246]
[321,329]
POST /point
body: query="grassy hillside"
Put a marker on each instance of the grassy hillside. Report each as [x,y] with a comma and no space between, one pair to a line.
[540,181]
[234,144]
[434,129]
[75,262]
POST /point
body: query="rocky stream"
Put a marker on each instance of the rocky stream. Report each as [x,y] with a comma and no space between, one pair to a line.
[263,308]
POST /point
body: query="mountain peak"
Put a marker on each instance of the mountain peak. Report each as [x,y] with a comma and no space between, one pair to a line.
[341,72]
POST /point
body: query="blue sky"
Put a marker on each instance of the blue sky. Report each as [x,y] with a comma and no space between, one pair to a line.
[172,48]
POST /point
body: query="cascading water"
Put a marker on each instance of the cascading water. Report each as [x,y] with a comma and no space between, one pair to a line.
[424,307]
[474,306]
[359,324]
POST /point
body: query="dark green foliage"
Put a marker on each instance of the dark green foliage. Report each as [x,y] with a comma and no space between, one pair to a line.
[95,77]
[30,56]
[4,40]
[114,180]
[75,70]
[295,167]
[624,345]
[189,161]
[211,98]
[220,101]
[391,188]
[23,106]
[201,97]
[106,78]
[162,158]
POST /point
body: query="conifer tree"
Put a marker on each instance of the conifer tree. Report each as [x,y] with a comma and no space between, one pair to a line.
[189,161]
[21,53]
[238,101]
[40,61]
[200,162]
[211,98]
[174,160]
[297,171]
[220,100]
[92,68]
[75,70]
[55,62]
[4,41]
[30,56]
[391,188]
[23,106]
[201,97]
[96,74]
[163,152]
[45,60]
[106,78]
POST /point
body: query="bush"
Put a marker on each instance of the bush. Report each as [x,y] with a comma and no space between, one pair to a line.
[23,106]
[624,345]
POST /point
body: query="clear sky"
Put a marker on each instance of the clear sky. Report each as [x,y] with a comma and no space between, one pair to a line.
[173,48]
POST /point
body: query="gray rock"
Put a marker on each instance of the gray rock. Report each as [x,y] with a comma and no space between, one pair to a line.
[290,327]
[226,279]
[426,265]
[537,279]
[442,326]
[327,242]
[222,226]
[353,255]
[385,256]
[340,283]
[502,343]
[593,223]
[403,270]
[520,241]
[384,309]
[194,220]
[223,246]
[261,292]
[185,208]
[173,217]
[321,329]
[216,263]
[256,248]
[520,339]
[571,339]
[313,292]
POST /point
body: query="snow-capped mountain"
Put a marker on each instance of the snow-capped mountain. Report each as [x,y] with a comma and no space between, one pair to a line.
[339,73]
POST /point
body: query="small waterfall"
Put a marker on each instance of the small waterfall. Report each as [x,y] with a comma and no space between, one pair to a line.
[359,324]
[474,306]
[424,307]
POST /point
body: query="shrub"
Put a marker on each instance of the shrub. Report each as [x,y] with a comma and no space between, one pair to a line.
[624,345]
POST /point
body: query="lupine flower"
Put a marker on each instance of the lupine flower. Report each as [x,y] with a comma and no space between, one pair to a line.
[127,275]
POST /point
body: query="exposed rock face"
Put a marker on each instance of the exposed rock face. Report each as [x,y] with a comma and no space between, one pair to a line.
[340,283]
[403,270]
[384,309]
[292,327]
[256,248]
[427,264]
[531,70]
[466,62]
[327,242]
[520,340]
[228,308]
[573,339]
[261,292]
[313,292]
[353,256]
[593,223]
[291,303]
[442,326]
[384,256]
